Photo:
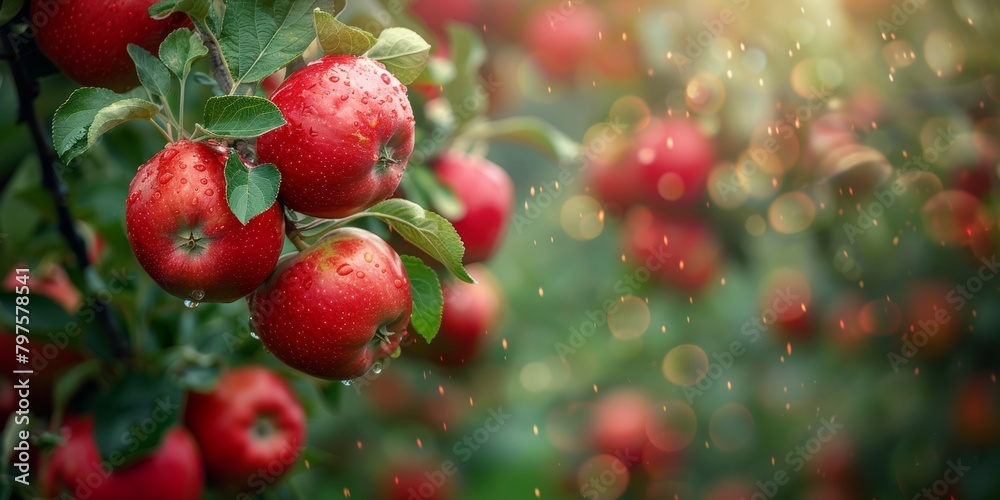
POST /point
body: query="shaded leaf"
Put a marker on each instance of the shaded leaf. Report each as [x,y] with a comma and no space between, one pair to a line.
[250,191]
[428,300]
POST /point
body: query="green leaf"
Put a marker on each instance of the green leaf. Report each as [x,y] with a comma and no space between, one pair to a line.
[152,73]
[531,132]
[70,382]
[403,53]
[199,10]
[428,300]
[427,231]
[464,91]
[118,113]
[9,9]
[74,118]
[250,191]
[131,419]
[260,37]
[180,49]
[236,116]
[337,38]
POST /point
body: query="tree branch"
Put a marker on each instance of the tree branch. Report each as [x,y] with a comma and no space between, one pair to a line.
[27,91]
[220,71]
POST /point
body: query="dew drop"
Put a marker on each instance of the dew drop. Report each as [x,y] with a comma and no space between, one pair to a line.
[368,257]
[377,367]
[360,274]
[254,335]
[385,79]
[398,283]
[209,192]
[334,78]
[204,181]
[199,167]
[165,177]
[157,195]
[348,383]
[198,294]
[344,97]
[191,304]
[184,181]
[345,269]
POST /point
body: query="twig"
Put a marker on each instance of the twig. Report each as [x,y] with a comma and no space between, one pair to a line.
[220,70]
[27,91]
[292,231]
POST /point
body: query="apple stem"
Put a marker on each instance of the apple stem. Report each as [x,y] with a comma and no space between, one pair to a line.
[293,233]
[27,91]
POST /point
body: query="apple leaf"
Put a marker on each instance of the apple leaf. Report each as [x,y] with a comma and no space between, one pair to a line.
[337,38]
[152,73]
[260,37]
[198,10]
[465,91]
[237,116]
[139,401]
[530,132]
[250,191]
[88,113]
[403,53]
[428,300]
[427,231]
[181,48]
[9,9]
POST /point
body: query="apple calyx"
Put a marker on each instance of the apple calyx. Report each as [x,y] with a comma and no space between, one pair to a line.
[386,159]
[382,335]
[194,242]
[263,428]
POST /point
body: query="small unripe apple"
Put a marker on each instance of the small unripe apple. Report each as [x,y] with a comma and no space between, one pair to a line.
[335,309]
[470,311]
[348,138]
[172,472]
[88,39]
[250,421]
[184,234]
[487,193]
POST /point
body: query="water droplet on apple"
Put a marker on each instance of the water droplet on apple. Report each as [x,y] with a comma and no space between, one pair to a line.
[398,283]
[360,274]
[199,167]
[345,269]
[386,79]
[134,196]
[157,195]
[209,192]
[165,177]
[254,335]
[204,181]
[334,79]
[198,294]
[344,97]
[191,304]
[368,257]
[377,367]
[168,154]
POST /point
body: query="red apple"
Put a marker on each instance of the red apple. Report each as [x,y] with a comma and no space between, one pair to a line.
[250,421]
[487,193]
[172,472]
[673,159]
[336,308]
[619,423]
[88,39]
[614,178]
[682,252]
[562,38]
[184,234]
[348,138]
[470,311]
[437,13]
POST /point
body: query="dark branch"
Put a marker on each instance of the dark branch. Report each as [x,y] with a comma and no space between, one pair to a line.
[27,91]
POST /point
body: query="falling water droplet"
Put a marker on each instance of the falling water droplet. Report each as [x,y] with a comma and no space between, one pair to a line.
[191,304]
[345,269]
[348,383]
[254,335]
[198,294]
[377,367]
